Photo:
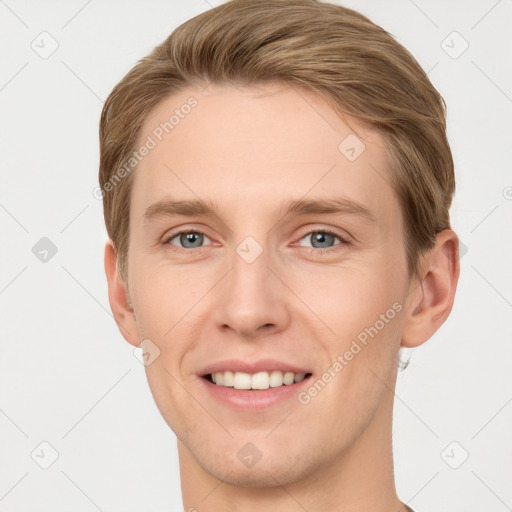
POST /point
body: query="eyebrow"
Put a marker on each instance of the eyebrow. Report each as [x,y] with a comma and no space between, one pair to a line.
[299,207]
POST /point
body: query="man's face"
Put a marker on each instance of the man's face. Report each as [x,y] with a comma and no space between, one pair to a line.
[255,285]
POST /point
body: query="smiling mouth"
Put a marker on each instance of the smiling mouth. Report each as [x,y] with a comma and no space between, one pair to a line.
[255,381]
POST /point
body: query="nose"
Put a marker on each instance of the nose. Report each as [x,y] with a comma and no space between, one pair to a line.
[252,300]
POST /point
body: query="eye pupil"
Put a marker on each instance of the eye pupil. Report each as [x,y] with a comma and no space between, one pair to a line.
[322,238]
[319,239]
[194,238]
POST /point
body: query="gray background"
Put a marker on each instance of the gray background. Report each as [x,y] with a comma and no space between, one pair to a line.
[69,379]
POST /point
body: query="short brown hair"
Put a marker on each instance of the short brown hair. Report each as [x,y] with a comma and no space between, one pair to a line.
[355,65]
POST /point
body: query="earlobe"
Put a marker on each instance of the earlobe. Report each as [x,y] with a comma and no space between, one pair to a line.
[118,297]
[432,298]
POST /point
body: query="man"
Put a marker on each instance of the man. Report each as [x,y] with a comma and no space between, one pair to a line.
[277,184]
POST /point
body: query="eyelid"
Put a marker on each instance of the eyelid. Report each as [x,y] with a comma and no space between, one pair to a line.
[344,240]
[342,235]
[166,239]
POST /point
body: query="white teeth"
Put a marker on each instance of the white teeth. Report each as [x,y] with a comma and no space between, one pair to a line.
[242,380]
[260,380]
[276,379]
[229,379]
[288,378]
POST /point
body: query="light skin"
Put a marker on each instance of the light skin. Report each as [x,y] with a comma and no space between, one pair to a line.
[250,150]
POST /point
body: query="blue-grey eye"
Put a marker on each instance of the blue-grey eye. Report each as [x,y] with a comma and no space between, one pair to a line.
[189,239]
[321,239]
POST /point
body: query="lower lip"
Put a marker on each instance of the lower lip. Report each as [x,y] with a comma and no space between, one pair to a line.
[254,399]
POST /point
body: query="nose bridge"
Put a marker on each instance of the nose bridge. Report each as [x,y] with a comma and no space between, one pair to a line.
[250,298]
[249,277]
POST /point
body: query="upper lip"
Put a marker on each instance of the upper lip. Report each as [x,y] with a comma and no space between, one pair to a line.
[261,365]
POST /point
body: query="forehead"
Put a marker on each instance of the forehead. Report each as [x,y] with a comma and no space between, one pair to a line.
[251,147]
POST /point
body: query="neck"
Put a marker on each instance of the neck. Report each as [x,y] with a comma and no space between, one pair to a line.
[360,478]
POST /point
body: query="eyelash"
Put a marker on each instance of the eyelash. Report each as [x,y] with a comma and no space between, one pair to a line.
[311,250]
[319,251]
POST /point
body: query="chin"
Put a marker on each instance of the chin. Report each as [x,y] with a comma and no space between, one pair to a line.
[274,468]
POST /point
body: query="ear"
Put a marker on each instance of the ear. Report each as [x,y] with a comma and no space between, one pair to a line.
[119,298]
[432,297]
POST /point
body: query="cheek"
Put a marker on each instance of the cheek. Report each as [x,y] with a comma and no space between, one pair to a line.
[345,301]
[165,295]
[363,316]
[170,311]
